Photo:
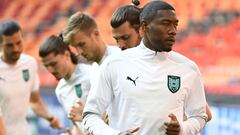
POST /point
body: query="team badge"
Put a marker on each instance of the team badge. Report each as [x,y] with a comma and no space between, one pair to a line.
[26,75]
[174,83]
[78,90]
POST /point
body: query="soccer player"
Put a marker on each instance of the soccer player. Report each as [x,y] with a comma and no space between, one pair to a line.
[148,87]
[19,82]
[74,83]
[82,33]
[125,25]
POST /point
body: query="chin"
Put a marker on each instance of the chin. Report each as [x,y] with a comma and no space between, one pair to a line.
[57,78]
[14,60]
[123,49]
[167,49]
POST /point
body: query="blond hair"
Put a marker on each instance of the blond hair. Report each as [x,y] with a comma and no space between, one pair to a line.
[78,22]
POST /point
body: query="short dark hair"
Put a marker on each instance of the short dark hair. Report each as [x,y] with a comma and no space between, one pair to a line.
[7,28]
[128,13]
[150,10]
[54,44]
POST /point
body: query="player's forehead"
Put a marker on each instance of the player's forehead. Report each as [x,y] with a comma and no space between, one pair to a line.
[79,38]
[15,37]
[162,15]
[123,28]
[51,57]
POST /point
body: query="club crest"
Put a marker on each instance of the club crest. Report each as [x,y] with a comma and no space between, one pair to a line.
[174,83]
[26,75]
[78,90]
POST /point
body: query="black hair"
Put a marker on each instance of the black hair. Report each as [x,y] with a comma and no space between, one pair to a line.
[136,2]
[150,10]
[54,44]
[128,13]
[8,28]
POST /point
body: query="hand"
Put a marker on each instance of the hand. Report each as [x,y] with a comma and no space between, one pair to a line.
[75,113]
[172,127]
[54,122]
[67,132]
[73,131]
[76,130]
[105,118]
[129,132]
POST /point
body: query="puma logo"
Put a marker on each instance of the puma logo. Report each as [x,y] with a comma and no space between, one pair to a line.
[130,79]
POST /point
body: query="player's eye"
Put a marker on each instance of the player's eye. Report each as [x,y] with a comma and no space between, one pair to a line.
[125,37]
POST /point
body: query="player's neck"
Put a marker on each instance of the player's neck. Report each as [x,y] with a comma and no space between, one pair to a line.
[9,62]
[102,50]
[72,68]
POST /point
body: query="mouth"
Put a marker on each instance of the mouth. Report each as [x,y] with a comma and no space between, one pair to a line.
[16,54]
[170,40]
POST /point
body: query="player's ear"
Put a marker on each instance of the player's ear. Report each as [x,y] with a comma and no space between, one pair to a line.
[67,53]
[96,32]
[143,27]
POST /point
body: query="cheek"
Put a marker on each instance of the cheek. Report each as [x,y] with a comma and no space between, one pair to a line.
[61,69]
[7,50]
[78,50]
[21,47]
[157,30]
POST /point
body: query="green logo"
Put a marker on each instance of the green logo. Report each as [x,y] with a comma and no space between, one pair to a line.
[26,75]
[78,90]
[174,83]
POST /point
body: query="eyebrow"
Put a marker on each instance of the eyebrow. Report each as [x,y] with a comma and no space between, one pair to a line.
[50,63]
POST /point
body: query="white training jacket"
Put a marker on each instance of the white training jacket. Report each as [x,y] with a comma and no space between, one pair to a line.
[77,87]
[142,87]
[17,82]
[74,89]
[110,50]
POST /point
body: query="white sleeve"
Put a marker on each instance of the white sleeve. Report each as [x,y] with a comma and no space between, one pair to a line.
[100,96]
[195,108]
[35,75]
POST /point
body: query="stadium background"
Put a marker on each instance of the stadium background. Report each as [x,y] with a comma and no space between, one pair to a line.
[209,33]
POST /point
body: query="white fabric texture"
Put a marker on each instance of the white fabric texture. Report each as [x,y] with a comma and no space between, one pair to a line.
[16,84]
[141,88]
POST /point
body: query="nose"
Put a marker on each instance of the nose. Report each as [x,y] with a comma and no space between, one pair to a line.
[122,44]
[16,48]
[173,30]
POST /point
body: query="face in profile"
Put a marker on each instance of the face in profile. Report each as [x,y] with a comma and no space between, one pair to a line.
[86,45]
[12,47]
[57,65]
[161,31]
[126,36]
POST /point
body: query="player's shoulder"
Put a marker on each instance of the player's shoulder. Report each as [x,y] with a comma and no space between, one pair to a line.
[24,58]
[83,70]
[181,59]
[84,66]
[122,56]
[113,49]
